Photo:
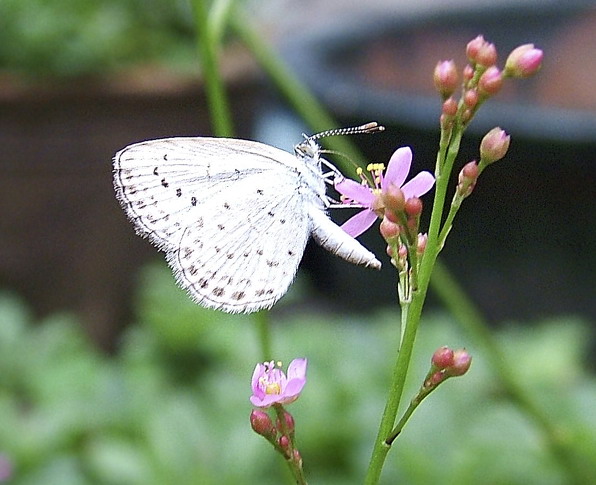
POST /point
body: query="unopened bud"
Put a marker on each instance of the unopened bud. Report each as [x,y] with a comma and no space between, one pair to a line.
[468,73]
[490,82]
[442,358]
[422,240]
[494,145]
[445,78]
[449,107]
[284,442]
[487,55]
[524,61]
[289,423]
[461,363]
[471,98]
[467,179]
[413,207]
[393,198]
[473,48]
[261,423]
[479,51]
[389,230]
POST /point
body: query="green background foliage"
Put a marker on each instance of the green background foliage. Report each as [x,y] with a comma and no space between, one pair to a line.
[171,406]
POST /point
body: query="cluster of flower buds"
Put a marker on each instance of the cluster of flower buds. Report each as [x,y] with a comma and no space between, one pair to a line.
[280,435]
[482,77]
[446,363]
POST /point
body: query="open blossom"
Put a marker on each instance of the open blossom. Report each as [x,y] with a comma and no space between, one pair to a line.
[369,197]
[271,386]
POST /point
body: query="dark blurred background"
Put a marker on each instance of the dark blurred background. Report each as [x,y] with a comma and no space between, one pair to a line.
[80,80]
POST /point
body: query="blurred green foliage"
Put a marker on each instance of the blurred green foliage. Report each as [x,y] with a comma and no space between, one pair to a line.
[172,405]
[78,37]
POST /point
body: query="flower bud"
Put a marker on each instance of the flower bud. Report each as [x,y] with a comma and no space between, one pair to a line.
[461,363]
[487,55]
[479,51]
[471,98]
[389,230]
[524,61]
[494,145]
[474,47]
[445,78]
[261,423]
[421,245]
[468,73]
[413,207]
[393,198]
[284,442]
[449,107]
[490,82]
[289,423]
[442,358]
[467,179]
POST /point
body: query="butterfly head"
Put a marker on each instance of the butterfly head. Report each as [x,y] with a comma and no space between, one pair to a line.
[309,150]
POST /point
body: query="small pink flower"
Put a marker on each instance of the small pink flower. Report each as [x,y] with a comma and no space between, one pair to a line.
[271,386]
[369,197]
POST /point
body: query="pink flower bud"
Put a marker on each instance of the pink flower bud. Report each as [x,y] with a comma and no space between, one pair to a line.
[479,51]
[289,423]
[413,207]
[442,358]
[445,78]
[494,145]
[524,61]
[468,73]
[474,47]
[461,363]
[490,82]
[467,179]
[393,198]
[389,230]
[449,107]
[284,442]
[435,379]
[487,55]
[471,98]
[261,423]
[422,240]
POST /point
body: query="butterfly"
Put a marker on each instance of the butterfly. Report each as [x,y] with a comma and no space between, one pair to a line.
[233,216]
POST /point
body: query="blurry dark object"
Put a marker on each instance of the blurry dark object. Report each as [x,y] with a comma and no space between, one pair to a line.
[523,244]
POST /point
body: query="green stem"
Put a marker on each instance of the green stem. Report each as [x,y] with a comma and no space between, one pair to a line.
[414,311]
[297,94]
[557,437]
[208,46]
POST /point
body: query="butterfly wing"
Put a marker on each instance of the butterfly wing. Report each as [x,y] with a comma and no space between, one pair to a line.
[229,214]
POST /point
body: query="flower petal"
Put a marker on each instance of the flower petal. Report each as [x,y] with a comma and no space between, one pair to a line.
[355,191]
[398,167]
[419,185]
[359,223]
[297,369]
[293,388]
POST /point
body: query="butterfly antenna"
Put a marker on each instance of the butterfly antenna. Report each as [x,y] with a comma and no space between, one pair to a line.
[372,127]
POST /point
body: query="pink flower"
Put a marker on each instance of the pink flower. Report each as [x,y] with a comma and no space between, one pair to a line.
[369,196]
[271,386]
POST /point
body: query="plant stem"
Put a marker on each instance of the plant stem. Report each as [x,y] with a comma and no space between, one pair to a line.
[445,159]
[557,437]
[297,94]
[207,37]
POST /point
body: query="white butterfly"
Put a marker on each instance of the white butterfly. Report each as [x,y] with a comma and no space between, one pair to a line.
[233,216]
